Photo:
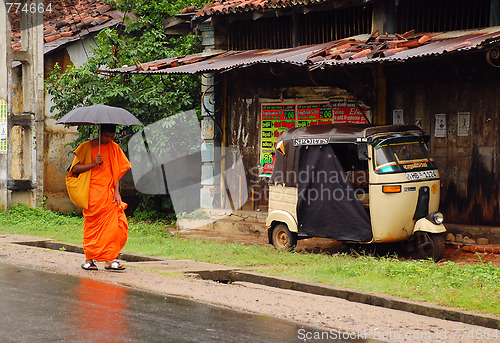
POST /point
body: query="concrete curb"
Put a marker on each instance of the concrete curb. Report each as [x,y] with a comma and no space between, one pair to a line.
[381,300]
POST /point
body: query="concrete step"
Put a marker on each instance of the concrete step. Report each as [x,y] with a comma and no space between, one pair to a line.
[239,215]
[247,222]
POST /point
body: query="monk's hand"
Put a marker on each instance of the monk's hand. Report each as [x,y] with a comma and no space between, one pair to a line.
[98,160]
[118,199]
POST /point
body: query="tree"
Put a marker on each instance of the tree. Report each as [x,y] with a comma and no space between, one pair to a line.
[150,98]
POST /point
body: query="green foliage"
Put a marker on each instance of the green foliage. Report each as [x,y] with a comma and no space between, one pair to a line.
[152,13]
[43,223]
[155,208]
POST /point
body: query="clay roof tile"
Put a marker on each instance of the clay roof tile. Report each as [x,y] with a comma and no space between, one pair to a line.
[64,16]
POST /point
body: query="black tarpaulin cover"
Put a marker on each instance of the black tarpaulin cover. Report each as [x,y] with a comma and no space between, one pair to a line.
[327,205]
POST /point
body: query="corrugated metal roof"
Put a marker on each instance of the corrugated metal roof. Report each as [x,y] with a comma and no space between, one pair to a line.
[355,50]
[222,7]
[435,44]
[221,60]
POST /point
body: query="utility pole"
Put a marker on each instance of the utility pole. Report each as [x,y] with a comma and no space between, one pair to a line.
[21,169]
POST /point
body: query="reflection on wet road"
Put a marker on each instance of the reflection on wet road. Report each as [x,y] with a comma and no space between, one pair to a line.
[37,306]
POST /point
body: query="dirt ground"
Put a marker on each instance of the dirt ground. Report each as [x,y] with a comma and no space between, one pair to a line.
[326,313]
[453,252]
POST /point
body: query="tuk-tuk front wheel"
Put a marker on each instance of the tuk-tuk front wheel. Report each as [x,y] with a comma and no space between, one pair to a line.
[284,239]
[430,245]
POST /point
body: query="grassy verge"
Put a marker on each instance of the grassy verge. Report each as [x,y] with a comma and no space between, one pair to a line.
[470,287]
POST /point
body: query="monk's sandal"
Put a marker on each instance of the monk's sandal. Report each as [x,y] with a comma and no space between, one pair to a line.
[89,266]
[115,265]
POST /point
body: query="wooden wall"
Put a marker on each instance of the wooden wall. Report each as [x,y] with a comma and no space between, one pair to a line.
[469,165]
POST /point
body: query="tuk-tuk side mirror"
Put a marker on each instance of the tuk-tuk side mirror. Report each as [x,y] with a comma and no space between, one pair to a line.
[363,152]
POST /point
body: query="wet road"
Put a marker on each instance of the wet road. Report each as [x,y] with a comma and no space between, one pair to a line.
[37,306]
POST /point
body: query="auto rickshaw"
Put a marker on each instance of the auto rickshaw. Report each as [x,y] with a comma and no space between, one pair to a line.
[356,184]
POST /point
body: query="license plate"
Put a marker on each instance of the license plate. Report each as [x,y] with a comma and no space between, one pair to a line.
[426,174]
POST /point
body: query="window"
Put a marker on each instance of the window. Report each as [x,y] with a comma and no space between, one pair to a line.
[356,170]
[402,155]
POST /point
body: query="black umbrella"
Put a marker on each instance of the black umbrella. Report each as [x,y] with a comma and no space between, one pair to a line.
[97,115]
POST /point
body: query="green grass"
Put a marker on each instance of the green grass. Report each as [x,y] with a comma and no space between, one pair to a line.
[472,287]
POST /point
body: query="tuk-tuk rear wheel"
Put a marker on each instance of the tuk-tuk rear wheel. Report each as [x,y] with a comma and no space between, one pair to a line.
[283,239]
[430,245]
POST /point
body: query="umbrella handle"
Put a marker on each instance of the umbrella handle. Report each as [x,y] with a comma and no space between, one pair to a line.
[100,142]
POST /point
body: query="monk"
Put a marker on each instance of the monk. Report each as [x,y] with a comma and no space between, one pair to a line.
[105,228]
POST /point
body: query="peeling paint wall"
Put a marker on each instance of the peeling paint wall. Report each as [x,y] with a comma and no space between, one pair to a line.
[469,164]
[57,154]
[19,165]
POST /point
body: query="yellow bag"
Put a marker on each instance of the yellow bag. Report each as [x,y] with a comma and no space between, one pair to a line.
[78,185]
[78,188]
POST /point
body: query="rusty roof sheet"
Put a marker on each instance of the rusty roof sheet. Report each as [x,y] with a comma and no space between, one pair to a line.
[355,50]
[405,47]
[220,60]
[67,21]
[222,7]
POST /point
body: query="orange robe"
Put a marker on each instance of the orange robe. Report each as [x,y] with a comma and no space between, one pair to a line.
[105,228]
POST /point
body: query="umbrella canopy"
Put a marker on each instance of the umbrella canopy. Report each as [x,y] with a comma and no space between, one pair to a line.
[99,114]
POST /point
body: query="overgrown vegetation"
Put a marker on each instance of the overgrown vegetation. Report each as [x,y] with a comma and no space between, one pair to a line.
[471,287]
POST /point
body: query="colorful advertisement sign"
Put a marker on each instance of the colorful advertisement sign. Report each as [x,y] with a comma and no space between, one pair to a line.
[276,118]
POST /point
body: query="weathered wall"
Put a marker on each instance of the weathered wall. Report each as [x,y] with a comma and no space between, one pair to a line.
[57,153]
[469,164]
[20,168]
[5,69]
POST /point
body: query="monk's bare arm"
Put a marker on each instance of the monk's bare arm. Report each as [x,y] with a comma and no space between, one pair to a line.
[82,168]
[117,198]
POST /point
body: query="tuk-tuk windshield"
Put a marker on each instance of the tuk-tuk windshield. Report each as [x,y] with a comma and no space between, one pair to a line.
[402,154]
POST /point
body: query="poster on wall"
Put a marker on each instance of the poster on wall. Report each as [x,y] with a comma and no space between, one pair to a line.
[463,124]
[276,118]
[348,111]
[397,117]
[3,126]
[440,129]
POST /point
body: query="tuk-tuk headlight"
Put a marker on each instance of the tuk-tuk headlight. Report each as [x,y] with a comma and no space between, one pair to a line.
[436,217]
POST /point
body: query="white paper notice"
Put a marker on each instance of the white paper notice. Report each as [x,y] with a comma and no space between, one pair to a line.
[463,124]
[440,130]
[397,117]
